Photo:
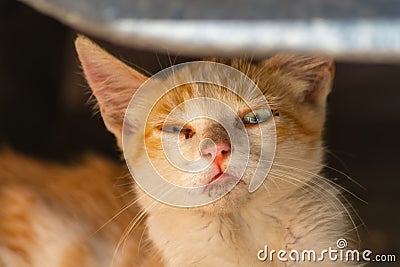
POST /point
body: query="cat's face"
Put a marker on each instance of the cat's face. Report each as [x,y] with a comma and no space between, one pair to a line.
[295,88]
[205,139]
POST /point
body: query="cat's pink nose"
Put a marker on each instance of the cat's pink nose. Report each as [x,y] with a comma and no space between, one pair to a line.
[219,152]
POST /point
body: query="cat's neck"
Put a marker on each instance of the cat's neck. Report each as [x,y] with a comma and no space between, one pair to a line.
[213,240]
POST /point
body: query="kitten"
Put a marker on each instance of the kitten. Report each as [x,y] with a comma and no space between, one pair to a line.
[295,208]
[86,215]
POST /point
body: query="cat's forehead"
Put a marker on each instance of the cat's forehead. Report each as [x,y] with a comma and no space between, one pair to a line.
[223,85]
[208,97]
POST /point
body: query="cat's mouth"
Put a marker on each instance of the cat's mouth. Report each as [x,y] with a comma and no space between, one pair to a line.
[223,177]
[216,177]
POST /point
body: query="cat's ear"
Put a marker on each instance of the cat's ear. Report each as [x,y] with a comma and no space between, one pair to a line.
[316,74]
[113,83]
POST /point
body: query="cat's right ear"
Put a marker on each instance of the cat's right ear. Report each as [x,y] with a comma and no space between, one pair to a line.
[113,83]
[315,72]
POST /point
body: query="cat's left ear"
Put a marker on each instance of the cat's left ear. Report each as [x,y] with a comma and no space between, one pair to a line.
[314,75]
[113,83]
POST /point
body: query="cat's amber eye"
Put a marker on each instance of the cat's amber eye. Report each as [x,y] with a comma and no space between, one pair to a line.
[257,116]
[178,129]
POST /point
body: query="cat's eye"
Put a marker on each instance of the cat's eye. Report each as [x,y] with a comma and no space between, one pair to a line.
[188,133]
[172,129]
[257,116]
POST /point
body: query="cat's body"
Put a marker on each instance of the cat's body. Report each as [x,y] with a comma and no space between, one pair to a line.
[295,208]
[53,215]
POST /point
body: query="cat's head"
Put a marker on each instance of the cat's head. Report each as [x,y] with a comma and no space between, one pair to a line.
[295,87]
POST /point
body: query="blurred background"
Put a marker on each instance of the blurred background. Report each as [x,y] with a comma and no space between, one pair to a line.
[44,113]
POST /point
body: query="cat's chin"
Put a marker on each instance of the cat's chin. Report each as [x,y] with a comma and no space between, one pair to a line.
[221,183]
[229,201]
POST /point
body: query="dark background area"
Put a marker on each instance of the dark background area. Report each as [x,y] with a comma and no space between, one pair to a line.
[44,113]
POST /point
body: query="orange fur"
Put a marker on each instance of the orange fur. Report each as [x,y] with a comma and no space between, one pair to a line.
[78,200]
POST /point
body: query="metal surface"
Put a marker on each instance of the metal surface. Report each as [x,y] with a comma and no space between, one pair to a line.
[363,30]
